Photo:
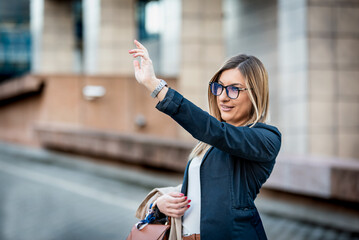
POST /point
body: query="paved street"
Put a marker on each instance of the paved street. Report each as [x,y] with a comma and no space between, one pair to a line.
[44,201]
[48,202]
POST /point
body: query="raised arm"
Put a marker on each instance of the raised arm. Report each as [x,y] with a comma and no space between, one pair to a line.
[259,143]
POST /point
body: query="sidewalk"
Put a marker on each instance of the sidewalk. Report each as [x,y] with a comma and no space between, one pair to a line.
[307,210]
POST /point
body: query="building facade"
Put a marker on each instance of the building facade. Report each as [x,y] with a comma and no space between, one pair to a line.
[309,48]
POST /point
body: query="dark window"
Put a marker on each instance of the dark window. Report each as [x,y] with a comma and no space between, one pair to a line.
[149,19]
[15,39]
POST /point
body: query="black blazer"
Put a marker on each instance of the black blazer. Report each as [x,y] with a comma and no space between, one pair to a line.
[232,170]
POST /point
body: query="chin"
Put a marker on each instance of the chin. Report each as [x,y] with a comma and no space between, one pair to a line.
[225,118]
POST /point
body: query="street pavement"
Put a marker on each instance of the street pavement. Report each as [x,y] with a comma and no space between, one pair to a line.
[51,196]
[49,202]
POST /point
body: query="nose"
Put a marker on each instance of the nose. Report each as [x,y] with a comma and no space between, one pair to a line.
[223,96]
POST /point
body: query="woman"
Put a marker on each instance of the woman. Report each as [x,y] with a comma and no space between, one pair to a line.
[234,157]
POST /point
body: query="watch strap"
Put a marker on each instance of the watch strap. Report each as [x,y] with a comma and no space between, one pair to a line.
[159,87]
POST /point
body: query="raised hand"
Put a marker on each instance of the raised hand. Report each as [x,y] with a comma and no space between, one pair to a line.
[144,72]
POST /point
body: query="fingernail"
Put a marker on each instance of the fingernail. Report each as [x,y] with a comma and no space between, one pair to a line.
[188,206]
[185,198]
[189,201]
[181,194]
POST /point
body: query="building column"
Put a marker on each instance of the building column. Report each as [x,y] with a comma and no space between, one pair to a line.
[58,41]
[116,35]
[333,73]
[170,40]
[293,75]
[319,69]
[91,20]
[202,48]
[36,25]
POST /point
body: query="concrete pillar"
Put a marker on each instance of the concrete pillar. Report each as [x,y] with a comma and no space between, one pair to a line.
[202,49]
[293,75]
[319,69]
[91,20]
[116,35]
[58,41]
[170,39]
[246,33]
[36,25]
[333,76]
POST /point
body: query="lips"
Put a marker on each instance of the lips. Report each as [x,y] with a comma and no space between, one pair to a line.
[226,108]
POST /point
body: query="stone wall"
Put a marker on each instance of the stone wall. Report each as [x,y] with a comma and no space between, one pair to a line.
[333,78]
[310,50]
[61,103]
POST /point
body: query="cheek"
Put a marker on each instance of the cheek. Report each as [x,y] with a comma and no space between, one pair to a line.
[244,106]
[217,102]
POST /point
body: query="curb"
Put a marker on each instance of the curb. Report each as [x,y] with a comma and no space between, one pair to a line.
[132,175]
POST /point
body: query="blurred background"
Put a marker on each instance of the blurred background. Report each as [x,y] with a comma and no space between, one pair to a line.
[81,143]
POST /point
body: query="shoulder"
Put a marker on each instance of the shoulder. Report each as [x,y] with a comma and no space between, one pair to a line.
[265,126]
[265,129]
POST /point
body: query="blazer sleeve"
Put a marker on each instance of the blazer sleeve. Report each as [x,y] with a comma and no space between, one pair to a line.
[261,143]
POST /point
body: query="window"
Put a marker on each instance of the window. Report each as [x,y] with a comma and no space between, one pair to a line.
[15,39]
[149,19]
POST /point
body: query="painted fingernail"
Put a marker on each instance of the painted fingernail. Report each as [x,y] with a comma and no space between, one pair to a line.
[181,194]
[188,206]
[185,198]
[189,201]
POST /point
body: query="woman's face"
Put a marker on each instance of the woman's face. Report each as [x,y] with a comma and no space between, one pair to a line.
[234,111]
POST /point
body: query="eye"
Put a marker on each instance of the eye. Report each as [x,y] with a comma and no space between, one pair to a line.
[233,92]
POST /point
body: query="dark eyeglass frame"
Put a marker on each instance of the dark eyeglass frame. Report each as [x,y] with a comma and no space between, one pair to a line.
[238,89]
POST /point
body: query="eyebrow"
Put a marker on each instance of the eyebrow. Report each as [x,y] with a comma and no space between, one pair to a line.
[232,84]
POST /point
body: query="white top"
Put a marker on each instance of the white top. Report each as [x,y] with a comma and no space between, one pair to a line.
[192,217]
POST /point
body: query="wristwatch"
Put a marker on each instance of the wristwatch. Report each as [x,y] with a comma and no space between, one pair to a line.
[159,87]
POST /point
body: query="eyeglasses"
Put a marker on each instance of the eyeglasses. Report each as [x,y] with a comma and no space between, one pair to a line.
[232,91]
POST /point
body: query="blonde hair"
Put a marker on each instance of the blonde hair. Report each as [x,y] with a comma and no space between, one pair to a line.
[256,80]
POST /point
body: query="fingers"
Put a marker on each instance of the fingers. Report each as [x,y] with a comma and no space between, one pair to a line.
[179,205]
[136,50]
[173,204]
[138,53]
[177,198]
[139,45]
[177,212]
[136,65]
[141,51]
[176,194]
